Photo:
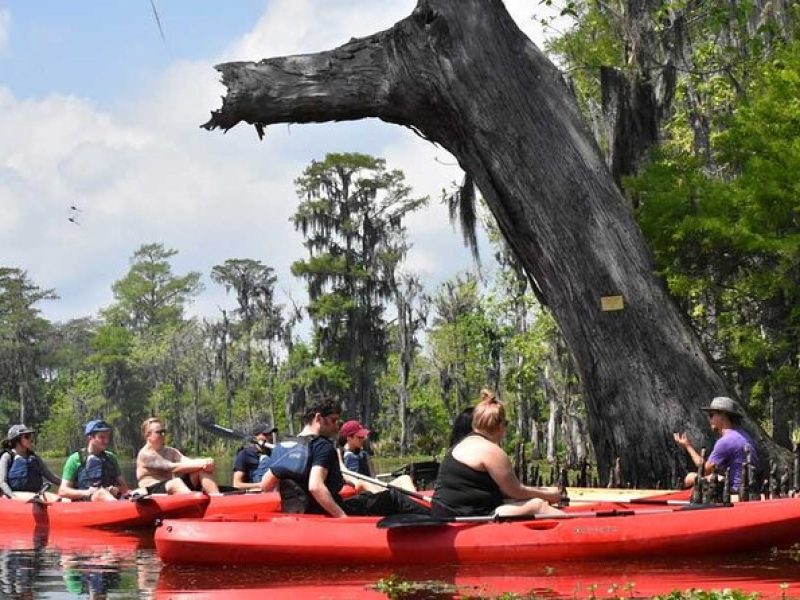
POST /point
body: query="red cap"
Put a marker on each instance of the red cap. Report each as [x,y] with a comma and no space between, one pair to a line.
[353,428]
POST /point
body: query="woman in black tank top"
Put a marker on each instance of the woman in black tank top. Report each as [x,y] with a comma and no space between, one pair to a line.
[476,477]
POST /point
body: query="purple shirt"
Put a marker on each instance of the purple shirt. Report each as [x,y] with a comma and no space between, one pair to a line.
[729,453]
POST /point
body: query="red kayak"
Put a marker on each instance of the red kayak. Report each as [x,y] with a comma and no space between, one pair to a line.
[252,503]
[241,504]
[120,514]
[583,535]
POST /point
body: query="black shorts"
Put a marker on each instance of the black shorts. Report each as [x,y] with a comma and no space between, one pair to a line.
[187,479]
[158,488]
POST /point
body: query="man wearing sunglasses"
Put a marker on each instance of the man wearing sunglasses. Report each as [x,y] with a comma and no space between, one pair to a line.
[730,451]
[162,469]
[93,473]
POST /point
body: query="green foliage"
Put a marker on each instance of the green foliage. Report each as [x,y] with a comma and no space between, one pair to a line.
[22,340]
[79,401]
[150,296]
[697,594]
[729,246]
[351,217]
[427,420]
[464,342]
[398,588]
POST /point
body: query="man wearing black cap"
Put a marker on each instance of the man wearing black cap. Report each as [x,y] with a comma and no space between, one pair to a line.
[725,417]
[252,461]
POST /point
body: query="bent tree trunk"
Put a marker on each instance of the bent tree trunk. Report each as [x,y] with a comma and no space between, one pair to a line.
[461,74]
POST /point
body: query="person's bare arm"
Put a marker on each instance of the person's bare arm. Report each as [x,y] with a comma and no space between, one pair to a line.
[152,460]
[240,484]
[321,493]
[683,441]
[184,464]
[268,481]
[173,461]
[498,465]
[192,465]
[66,490]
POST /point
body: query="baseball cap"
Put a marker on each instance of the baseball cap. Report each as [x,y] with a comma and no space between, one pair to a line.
[353,428]
[264,428]
[17,430]
[96,426]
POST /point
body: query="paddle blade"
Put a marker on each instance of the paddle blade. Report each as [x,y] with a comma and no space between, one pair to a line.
[411,520]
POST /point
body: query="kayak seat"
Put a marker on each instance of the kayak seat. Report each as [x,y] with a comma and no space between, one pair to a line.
[423,474]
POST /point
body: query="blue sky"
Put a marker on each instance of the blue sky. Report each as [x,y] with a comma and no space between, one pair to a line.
[99,112]
[101,48]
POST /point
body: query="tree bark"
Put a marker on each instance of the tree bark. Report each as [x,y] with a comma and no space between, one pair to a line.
[461,74]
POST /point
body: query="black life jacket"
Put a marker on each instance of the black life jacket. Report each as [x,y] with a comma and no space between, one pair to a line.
[25,473]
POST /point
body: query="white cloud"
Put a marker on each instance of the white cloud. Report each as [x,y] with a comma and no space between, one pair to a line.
[305,26]
[148,173]
[5,24]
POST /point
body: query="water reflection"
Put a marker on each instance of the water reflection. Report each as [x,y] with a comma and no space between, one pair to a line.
[79,563]
[772,577]
[54,565]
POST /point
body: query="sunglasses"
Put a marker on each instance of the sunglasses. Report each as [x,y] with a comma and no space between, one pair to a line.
[159,431]
[27,436]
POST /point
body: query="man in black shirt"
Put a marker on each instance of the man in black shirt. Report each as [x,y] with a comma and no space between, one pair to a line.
[316,490]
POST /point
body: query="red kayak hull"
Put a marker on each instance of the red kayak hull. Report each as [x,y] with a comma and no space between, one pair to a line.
[243,504]
[314,540]
[250,504]
[121,514]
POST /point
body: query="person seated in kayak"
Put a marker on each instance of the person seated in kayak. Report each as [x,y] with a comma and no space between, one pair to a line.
[352,438]
[22,473]
[313,486]
[162,469]
[476,476]
[93,473]
[252,461]
[730,451]
[354,457]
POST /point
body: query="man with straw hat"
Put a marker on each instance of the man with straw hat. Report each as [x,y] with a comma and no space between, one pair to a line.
[729,452]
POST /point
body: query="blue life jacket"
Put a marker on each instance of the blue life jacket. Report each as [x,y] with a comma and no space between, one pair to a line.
[357,462]
[290,458]
[97,470]
[25,473]
[257,474]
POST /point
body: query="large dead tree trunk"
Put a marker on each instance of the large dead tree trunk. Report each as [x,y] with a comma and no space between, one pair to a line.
[461,74]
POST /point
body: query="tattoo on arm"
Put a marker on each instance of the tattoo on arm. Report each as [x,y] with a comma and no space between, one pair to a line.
[153,461]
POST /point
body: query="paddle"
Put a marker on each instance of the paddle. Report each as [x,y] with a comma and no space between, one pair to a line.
[414,520]
[408,469]
[656,501]
[388,486]
[232,433]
